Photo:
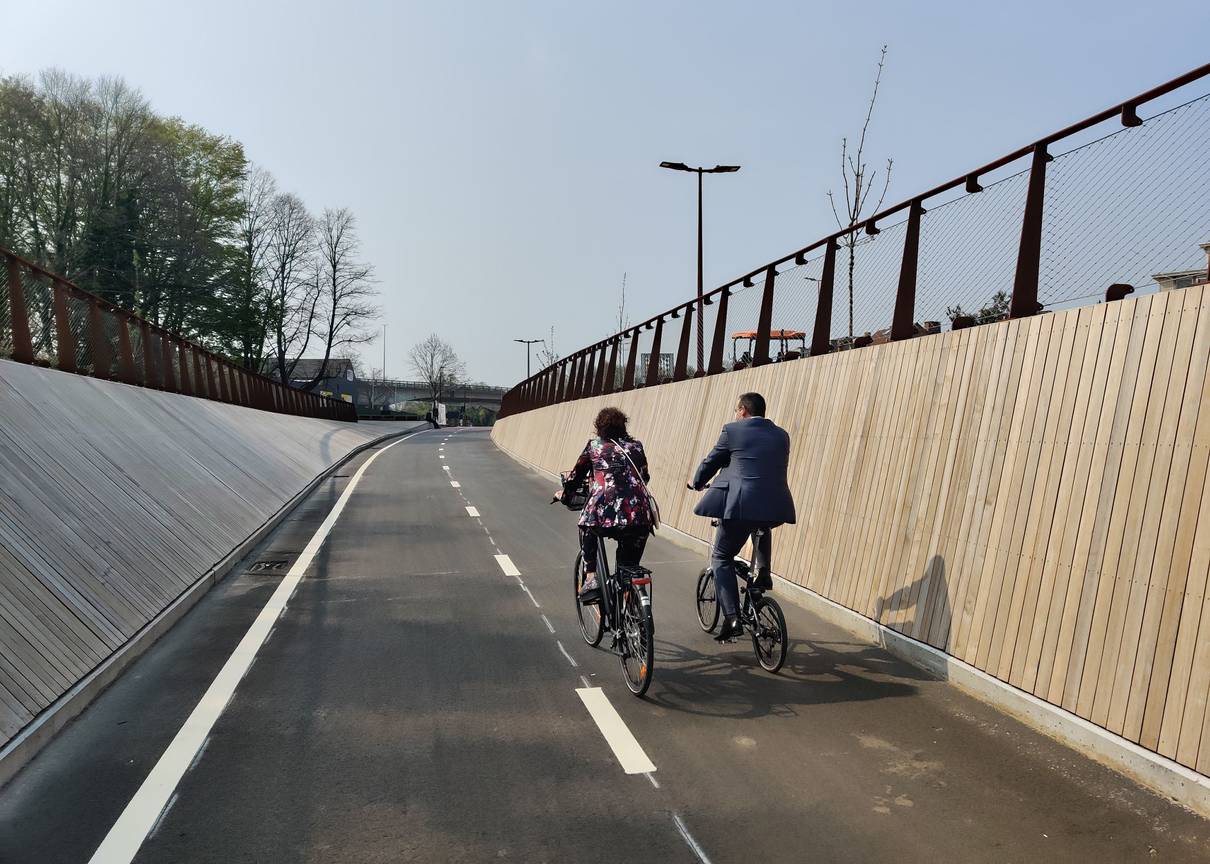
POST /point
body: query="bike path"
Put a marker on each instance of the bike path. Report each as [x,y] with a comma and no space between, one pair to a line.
[848,754]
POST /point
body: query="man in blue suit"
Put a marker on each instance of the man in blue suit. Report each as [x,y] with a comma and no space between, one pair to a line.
[749,493]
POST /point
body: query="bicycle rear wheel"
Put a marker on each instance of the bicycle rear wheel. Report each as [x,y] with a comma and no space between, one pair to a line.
[638,642]
[707,601]
[592,622]
[769,639]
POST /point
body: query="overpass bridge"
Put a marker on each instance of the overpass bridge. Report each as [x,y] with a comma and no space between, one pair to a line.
[392,393]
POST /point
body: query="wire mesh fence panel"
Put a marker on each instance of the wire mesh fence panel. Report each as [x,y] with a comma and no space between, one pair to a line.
[1132,207]
[795,300]
[153,359]
[867,277]
[646,341]
[6,317]
[743,319]
[968,253]
[113,351]
[77,318]
[136,351]
[40,307]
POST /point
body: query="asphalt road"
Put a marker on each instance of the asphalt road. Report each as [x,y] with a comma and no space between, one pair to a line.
[414,702]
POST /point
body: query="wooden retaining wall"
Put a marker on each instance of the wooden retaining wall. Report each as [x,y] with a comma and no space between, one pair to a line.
[1030,497]
[114,500]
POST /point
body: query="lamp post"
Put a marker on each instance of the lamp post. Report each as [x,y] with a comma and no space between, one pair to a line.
[527,343]
[717,169]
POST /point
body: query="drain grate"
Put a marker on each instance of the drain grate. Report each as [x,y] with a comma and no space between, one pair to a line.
[268,566]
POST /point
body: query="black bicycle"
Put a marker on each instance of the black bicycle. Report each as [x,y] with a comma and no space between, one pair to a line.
[624,612]
[761,615]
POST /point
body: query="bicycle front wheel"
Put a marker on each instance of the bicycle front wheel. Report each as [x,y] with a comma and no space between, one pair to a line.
[707,602]
[769,639]
[592,623]
[638,642]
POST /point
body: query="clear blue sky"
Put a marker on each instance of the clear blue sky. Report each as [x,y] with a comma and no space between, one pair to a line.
[501,156]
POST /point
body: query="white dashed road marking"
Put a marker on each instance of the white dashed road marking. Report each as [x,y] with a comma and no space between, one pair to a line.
[507,565]
[617,734]
[570,659]
[455,484]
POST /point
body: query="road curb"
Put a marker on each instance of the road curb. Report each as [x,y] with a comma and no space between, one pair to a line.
[29,741]
[1157,773]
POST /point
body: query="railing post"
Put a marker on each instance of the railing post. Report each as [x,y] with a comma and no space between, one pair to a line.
[719,346]
[126,371]
[681,372]
[66,339]
[101,360]
[760,356]
[903,324]
[632,357]
[590,373]
[611,371]
[1029,256]
[821,339]
[169,377]
[199,381]
[212,378]
[598,381]
[150,377]
[183,359]
[581,368]
[23,345]
[653,362]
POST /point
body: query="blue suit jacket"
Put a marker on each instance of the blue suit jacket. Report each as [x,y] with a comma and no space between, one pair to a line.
[750,458]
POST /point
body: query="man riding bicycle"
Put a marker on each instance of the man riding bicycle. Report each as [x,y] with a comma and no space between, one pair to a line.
[749,494]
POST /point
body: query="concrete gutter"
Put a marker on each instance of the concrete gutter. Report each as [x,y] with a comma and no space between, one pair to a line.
[43,728]
[1164,776]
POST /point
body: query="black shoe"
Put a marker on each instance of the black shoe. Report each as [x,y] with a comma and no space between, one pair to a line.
[731,628]
[763,582]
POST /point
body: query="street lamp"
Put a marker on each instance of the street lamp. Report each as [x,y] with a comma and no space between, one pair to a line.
[717,169]
[527,343]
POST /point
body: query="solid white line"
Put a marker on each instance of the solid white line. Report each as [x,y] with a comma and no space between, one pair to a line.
[688,838]
[624,745]
[507,565]
[472,511]
[455,484]
[122,842]
[549,626]
[570,659]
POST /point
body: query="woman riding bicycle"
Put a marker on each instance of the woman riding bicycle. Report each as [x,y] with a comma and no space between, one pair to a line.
[616,467]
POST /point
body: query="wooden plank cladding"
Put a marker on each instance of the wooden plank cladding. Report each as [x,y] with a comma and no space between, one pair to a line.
[113,501]
[1029,496]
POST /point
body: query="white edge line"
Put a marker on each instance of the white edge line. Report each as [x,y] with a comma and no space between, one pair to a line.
[143,810]
[617,734]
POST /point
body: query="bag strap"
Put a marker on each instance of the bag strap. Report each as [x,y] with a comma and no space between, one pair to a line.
[638,475]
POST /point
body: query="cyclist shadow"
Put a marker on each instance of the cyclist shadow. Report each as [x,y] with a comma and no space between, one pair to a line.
[919,609]
[726,681]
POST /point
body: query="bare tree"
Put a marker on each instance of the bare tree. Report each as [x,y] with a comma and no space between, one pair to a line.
[548,356]
[622,319]
[346,286]
[436,364]
[295,279]
[858,186]
[250,294]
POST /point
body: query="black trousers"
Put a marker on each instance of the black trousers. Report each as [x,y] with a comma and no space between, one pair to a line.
[631,542]
[729,539]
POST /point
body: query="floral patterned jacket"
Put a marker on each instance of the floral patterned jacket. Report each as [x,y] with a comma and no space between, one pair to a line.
[615,496]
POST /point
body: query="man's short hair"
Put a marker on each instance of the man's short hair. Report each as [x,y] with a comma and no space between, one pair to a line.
[753,403]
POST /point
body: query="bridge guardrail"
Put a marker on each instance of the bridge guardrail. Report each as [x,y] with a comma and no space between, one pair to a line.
[47,320]
[1113,214]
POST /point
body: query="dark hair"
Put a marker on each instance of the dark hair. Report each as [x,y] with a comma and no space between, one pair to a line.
[611,423]
[753,403]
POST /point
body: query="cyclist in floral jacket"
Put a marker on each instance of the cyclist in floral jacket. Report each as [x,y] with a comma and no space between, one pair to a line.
[615,468]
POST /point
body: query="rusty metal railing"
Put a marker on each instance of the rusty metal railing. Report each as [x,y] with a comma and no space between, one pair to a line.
[1093,222]
[45,320]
